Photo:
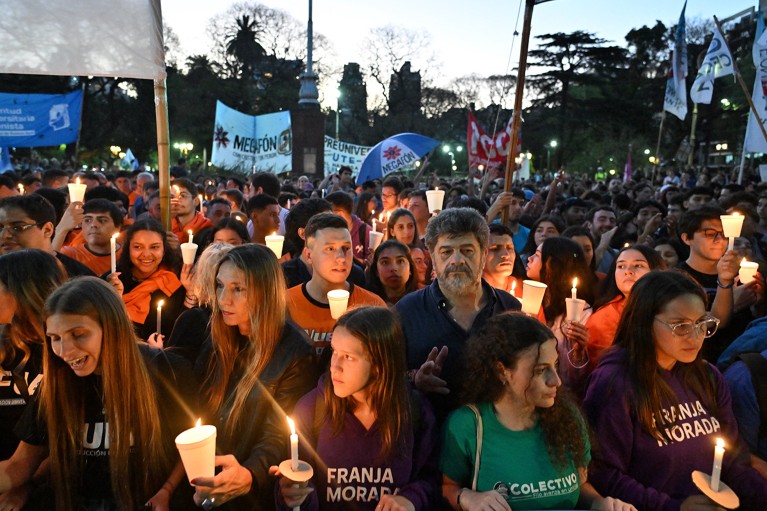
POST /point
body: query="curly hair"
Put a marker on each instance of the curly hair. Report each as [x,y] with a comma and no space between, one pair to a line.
[504,339]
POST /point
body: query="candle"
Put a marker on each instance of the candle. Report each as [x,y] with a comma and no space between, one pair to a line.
[293,445]
[275,242]
[113,251]
[191,236]
[197,447]
[514,288]
[747,271]
[21,189]
[574,290]
[434,199]
[287,206]
[716,471]
[731,227]
[76,191]
[199,197]
[372,215]
[159,316]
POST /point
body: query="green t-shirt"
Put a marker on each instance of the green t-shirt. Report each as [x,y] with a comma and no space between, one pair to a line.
[514,463]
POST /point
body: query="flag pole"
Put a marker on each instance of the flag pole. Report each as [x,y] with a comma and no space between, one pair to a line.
[80,129]
[163,149]
[657,145]
[741,82]
[691,156]
[516,122]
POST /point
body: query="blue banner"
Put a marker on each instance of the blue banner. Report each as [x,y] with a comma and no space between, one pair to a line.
[33,120]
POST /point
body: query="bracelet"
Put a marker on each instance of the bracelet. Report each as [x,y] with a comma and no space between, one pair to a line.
[719,284]
[458,499]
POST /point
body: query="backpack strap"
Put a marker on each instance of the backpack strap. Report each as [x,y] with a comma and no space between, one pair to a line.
[757,366]
[478,453]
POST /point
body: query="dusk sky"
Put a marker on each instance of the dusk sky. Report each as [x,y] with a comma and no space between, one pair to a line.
[468,37]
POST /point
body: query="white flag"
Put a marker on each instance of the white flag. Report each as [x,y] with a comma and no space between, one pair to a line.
[675,100]
[755,142]
[718,63]
[83,37]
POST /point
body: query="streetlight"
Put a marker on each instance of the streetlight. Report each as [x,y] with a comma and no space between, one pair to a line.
[183,148]
[552,145]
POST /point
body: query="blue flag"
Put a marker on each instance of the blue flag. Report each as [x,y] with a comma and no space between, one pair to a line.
[34,120]
[675,101]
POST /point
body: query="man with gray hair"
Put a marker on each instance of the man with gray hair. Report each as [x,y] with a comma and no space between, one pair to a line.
[438,320]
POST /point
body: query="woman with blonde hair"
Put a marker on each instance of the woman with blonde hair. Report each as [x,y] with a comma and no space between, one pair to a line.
[107,409]
[256,365]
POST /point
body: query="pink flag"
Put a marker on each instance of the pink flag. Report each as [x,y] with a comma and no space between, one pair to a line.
[627,168]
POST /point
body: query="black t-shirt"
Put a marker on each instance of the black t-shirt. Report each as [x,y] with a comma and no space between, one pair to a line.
[18,383]
[171,375]
[172,308]
[716,344]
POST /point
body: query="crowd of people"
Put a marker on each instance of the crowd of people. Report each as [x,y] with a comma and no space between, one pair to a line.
[432,391]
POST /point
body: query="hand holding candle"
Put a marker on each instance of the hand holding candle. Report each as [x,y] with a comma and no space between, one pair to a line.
[76,191]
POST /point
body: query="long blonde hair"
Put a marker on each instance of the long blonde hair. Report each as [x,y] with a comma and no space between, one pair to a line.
[29,276]
[131,407]
[266,294]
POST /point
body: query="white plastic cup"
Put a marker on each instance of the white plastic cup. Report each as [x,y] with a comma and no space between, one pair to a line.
[274,242]
[188,251]
[338,299]
[197,447]
[374,239]
[435,198]
[574,309]
[76,192]
[747,271]
[532,296]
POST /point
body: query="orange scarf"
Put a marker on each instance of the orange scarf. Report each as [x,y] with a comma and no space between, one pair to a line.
[198,223]
[139,300]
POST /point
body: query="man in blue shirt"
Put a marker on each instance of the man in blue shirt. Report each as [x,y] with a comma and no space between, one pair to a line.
[438,320]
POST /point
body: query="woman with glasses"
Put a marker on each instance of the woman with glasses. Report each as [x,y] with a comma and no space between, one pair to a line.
[657,407]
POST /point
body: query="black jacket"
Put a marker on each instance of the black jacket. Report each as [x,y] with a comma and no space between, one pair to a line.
[262,441]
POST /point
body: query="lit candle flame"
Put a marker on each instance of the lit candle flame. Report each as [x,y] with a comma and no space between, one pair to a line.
[77,180]
[575,282]
[198,424]
[735,213]
[190,232]
[160,303]
[743,261]
[719,442]
[115,235]
[292,426]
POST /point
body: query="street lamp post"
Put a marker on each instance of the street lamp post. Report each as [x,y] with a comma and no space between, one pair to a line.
[338,110]
[552,145]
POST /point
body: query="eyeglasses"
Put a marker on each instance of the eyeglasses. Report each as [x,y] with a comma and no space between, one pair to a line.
[712,234]
[705,326]
[16,229]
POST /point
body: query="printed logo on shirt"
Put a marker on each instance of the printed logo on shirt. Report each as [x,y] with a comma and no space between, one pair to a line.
[518,492]
[320,340]
[96,439]
[345,484]
[6,380]
[698,422]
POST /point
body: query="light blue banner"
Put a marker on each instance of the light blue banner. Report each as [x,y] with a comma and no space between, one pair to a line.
[34,120]
[248,143]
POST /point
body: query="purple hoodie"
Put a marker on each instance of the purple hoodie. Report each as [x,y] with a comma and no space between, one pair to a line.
[351,476]
[653,475]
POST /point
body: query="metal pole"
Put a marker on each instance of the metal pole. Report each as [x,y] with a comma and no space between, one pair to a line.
[163,150]
[516,122]
[692,135]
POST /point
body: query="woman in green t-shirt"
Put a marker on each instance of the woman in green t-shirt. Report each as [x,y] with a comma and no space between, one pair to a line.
[534,447]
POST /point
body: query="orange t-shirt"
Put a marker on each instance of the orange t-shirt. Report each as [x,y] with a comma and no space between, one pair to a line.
[314,317]
[198,223]
[99,264]
[603,325]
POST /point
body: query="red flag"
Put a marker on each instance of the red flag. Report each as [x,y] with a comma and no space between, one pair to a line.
[484,149]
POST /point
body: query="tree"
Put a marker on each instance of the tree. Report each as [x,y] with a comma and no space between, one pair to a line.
[243,45]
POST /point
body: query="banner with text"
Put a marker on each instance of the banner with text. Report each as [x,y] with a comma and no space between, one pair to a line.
[35,120]
[338,153]
[484,149]
[252,143]
[755,142]
[718,63]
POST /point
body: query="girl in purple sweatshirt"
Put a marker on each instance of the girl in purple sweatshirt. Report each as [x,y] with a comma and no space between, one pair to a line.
[370,440]
[658,408]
